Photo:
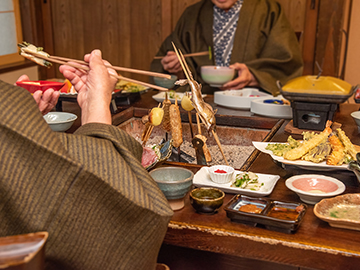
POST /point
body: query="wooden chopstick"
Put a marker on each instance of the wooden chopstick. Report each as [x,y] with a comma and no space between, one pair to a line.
[187,55]
[77,65]
[132,70]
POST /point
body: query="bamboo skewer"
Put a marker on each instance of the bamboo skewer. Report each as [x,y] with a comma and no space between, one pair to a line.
[206,151]
[148,132]
[219,144]
[190,121]
[81,67]
[198,123]
[191,124]
[187,55]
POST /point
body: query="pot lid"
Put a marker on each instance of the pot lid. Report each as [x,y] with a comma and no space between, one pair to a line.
[324,85]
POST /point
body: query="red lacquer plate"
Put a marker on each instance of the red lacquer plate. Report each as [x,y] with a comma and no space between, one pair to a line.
[33,86]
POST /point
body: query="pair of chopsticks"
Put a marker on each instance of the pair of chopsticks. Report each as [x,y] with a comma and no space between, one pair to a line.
[187,55]
[65,61]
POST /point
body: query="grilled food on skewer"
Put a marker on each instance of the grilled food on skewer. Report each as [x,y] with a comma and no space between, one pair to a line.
[166,119]
[175,123]
[205,111]
[186,103]
[154,118]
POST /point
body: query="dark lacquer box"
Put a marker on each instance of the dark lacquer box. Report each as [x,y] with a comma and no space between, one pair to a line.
[263,212]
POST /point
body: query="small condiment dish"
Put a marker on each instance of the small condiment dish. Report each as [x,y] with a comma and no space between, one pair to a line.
[221,174]
[174,182]
[217,76]
[312,188]
[60,121]
[206,200]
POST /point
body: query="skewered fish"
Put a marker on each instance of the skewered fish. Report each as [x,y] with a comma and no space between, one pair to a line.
[205,111]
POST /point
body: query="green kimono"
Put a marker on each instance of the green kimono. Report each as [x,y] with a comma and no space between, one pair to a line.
[264,41]
[88,190]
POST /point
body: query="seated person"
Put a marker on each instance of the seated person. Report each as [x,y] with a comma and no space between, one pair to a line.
[253,37]
[88,190]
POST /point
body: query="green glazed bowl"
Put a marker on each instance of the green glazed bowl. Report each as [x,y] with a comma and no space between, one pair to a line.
[174,182]
[206,200]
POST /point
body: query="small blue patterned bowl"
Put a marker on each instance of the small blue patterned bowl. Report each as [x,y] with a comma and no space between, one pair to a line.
[174,182]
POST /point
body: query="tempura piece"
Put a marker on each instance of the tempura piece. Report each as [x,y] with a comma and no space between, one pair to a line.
[279,149]
[318,153]
[306,146]
[26,49]
[337,154]
[349,147]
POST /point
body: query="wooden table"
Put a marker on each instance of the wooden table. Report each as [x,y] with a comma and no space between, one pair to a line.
[197,241]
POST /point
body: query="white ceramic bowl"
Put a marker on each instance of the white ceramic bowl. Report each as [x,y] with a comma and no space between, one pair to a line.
[217,76]
[312,188]
[356,116]
[221,178]
[60,121]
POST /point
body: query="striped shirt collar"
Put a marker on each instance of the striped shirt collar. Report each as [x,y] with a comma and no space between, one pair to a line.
[224,27]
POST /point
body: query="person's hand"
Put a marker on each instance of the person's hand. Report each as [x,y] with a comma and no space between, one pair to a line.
[171,63]
[245,78]
[94,88]
[46,101]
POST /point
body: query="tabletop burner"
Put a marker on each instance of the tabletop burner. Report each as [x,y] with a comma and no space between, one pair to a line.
[312,116]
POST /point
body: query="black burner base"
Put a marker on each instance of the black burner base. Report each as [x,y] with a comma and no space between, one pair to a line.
[312,116]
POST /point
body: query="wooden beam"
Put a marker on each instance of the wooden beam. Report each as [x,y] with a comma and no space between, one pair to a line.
[309,36]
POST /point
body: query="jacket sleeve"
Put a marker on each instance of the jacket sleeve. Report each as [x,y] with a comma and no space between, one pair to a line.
[277,48]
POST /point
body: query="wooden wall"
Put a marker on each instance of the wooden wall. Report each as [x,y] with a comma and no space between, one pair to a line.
[130,36]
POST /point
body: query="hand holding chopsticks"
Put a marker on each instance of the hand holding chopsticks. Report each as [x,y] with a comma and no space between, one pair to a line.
[82,65]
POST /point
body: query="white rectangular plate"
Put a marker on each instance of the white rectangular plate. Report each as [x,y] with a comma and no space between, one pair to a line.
[160,97]
[202,179]
[308,165]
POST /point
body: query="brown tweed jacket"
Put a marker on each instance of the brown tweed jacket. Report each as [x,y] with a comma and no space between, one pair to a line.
[88,190]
